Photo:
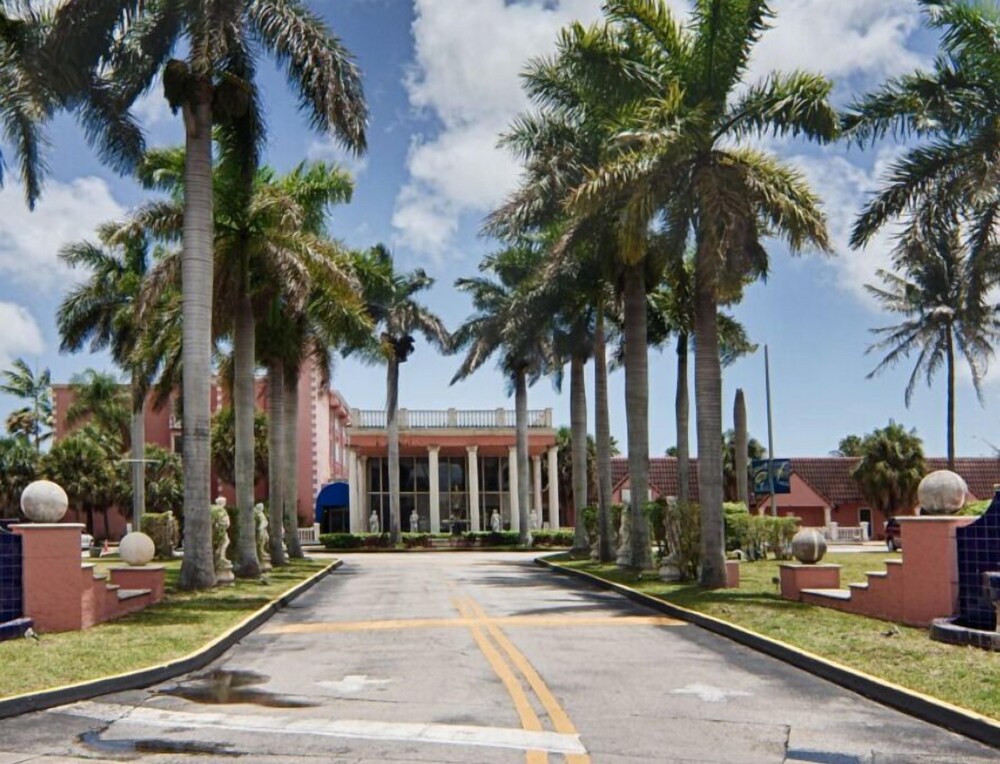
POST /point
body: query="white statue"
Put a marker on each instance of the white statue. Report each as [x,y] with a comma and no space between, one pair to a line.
[414,522]
[533,520]
[220,501]
[261,537]
[496,524]
[220,542]
[373,523]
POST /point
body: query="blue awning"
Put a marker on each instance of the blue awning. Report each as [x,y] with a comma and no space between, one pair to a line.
[332,495]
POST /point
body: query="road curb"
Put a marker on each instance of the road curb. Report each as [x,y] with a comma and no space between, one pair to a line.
[134,680]
[924,707]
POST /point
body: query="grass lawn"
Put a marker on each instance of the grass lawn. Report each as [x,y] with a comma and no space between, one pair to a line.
[180,624]
[965,676]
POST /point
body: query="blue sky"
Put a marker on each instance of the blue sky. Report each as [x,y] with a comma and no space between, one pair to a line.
[441,80]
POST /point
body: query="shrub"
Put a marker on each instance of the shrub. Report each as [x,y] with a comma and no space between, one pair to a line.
[591,522]
[162,528]
[682,529]
[341,540]
[412,540]
[655,512]
[736,519]
[491,538]
[976,508]
[552,538]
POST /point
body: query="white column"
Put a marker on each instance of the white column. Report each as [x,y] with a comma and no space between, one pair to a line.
[536,463]
[352,490]
[554,488]
[435,481]
[473,480]
[362,491]
[515,514]
[827,516]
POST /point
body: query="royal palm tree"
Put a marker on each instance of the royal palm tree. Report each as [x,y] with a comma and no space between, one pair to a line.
[103,313]
[942,306]
[523,343]
[35,420]
[951,111]
[216,80]
[578,102]
[18,467]
[677,158]
[397,316]
[267,253]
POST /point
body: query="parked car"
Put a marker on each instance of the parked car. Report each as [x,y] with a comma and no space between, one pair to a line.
[893,535]
[86,541]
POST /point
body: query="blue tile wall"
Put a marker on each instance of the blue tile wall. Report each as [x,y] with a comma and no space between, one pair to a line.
[11,593]
[978,548]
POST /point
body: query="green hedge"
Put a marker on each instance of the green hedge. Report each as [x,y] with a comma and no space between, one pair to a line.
[414,540]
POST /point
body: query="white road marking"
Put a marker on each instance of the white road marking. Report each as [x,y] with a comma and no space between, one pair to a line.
[353,683]
[709,693]
[445,734]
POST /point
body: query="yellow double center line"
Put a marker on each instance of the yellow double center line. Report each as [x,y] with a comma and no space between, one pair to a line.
[480,624]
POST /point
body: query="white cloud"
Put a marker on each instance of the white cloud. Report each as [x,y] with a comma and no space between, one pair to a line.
[843,188]
[19,333]
[328,149]
[469,53]
[30,241]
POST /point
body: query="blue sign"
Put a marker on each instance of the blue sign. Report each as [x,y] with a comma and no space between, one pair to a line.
[781,470]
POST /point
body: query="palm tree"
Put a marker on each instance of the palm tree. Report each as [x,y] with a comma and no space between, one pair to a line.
[397,316]
[943,308]
[677,159]
[18,467]
[216,79]
[35,420]
[578,103]
[952,111]
[267,253]
[891,467]
[100,400]
[523,343]
[103,312]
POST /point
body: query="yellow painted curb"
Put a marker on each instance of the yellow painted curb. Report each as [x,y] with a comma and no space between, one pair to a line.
[913,702]
[143,677]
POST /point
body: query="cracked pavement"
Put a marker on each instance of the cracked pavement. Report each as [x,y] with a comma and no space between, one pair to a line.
[481,657]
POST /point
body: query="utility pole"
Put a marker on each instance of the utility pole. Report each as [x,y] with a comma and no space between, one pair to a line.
[770,435]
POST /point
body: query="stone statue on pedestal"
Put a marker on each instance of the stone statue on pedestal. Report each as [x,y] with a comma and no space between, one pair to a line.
[414,522]
[262,537]
[496,524]
[373,524]
[220,542]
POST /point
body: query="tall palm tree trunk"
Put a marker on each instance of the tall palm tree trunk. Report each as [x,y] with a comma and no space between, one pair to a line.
[292,462]
[708,399]
[682,415]
[950,347]
[198,568]
[602,427]
[639,554]
[138,449]
[578,431]
[741,456]
[276,461]
[245,562]
[521,420]
[391,403]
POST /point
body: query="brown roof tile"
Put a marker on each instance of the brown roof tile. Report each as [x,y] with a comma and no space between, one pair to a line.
[828,475]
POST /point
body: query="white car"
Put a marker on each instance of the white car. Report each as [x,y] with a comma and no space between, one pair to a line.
[86,541]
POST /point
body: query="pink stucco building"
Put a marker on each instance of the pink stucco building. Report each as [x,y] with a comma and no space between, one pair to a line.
[322,425]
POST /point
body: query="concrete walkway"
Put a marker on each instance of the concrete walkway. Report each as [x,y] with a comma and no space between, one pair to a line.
[481,657]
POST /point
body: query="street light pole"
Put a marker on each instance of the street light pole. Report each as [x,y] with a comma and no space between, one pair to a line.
[770,435]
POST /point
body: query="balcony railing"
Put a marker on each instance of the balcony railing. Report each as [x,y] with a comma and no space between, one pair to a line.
[442,419]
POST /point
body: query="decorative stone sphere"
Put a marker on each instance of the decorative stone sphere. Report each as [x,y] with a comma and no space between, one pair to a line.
[220,501]
[44,502]
[808,546]
[941,493]
[136,548]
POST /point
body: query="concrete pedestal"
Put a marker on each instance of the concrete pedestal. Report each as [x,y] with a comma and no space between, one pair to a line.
[52,580]
[795,577]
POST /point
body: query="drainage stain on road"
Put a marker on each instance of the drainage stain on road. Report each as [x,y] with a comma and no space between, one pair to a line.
[94,741]
[222,687]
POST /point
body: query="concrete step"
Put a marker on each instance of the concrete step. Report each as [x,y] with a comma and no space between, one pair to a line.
[877,574]
[832,594]
[112,587]
[128,594]
[857,587]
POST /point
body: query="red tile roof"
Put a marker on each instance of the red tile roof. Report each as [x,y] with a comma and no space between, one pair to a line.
[829,476]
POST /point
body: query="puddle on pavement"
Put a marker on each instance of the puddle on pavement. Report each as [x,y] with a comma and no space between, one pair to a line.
[222,687]
[94,741]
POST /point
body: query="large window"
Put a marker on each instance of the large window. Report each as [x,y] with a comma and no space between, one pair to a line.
[494,491]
